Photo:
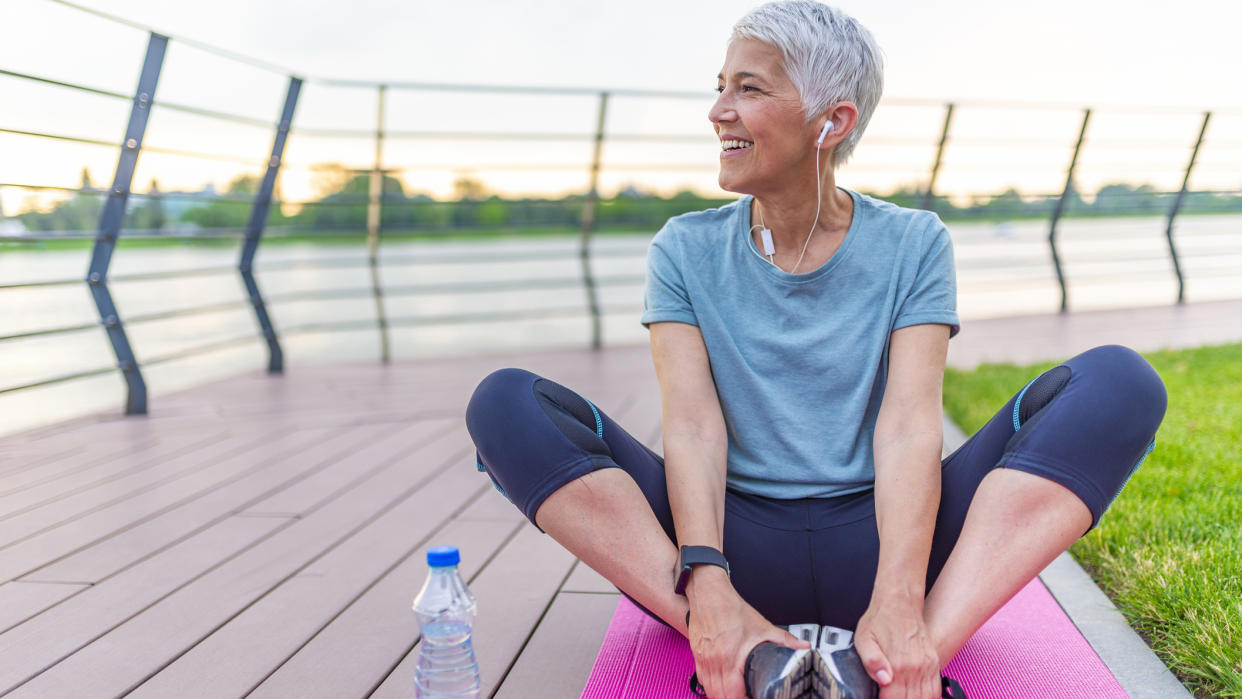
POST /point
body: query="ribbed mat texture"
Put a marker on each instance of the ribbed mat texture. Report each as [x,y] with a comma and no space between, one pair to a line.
[640,659]
[1029,649]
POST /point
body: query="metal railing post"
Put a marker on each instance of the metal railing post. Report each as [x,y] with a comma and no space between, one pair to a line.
[1177,205]
[254,229]
[588,224]
[113,215]
[1060,208]
[374,209]
[929,195]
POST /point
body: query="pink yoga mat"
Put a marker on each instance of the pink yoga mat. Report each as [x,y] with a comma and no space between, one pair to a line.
[1029,649]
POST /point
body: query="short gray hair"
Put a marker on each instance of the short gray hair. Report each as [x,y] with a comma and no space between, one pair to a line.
[829,56]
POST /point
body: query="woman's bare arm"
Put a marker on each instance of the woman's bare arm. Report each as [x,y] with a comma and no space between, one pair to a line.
[892,636]
[723,628]
[694,433]
[908,438]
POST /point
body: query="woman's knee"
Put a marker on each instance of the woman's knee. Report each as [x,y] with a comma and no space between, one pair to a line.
[527,440]
[498,389]
[497,397]
[1127,382]
[489,416]
[1109,428]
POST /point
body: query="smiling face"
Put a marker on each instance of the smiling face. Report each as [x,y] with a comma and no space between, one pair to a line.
[765,138]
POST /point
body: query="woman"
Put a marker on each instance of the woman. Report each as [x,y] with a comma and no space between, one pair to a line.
[799,336]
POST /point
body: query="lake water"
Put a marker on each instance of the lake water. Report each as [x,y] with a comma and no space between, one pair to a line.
[1003,269]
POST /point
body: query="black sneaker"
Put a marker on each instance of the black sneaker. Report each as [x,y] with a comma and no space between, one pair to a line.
[830,669]
[839,672]
[776,672]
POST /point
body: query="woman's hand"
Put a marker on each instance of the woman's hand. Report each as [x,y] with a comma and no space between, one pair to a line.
[896,650]
[723,630]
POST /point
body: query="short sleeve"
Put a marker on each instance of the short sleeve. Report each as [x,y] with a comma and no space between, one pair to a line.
[932,298]
[666,297]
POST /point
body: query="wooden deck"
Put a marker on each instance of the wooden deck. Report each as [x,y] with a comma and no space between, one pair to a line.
[263,536]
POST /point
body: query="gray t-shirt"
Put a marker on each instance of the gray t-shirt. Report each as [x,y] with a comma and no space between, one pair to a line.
[800,360]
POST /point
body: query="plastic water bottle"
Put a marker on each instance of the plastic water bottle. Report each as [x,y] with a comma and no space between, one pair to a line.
[446,668]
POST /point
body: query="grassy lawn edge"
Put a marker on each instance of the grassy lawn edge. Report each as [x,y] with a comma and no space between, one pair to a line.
[1169,550]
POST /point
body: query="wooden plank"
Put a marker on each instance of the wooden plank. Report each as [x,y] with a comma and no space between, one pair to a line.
[11,447]
[361,448]
[19,457]
[103,431]
[238,656]
[21,600]
[174,479]
[49,488]
[493,505]
[335,412]
[369,398]
[42,641]
[52,460]
[312,491]
[59,540]
[100,428]
[514,590]
[120,660]
[562,651]
[359,648]
[65,459]
[585,579]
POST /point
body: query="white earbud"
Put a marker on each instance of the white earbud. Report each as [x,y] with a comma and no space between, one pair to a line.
[828,126]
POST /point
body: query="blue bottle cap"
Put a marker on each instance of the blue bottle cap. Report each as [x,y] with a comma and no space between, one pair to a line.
[442,556]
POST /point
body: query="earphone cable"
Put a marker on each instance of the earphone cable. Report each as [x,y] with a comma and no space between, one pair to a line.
[818,204]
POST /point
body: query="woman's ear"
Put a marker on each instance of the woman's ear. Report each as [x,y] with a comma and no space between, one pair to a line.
[840,120]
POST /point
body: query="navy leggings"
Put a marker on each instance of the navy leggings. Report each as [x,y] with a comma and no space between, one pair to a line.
[1086,424]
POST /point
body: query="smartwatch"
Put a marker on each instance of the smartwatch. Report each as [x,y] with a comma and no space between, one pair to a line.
[692,556]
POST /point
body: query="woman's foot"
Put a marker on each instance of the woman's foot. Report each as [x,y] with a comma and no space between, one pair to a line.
[831,669]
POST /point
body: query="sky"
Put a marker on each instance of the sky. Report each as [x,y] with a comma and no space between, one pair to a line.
[1106,54]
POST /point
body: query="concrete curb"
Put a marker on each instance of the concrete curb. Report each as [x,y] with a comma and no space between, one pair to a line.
[1141,674]
[1127,656]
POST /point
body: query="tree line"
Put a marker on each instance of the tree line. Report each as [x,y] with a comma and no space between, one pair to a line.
[344,202]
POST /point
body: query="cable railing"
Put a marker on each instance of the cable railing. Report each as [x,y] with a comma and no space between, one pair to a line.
[377,215]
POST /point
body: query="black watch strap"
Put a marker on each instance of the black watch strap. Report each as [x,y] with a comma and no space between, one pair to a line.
[692,556]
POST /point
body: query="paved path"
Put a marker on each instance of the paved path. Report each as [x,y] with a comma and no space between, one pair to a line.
[1026,339]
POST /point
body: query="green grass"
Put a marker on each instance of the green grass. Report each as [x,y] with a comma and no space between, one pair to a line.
[1169,551]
